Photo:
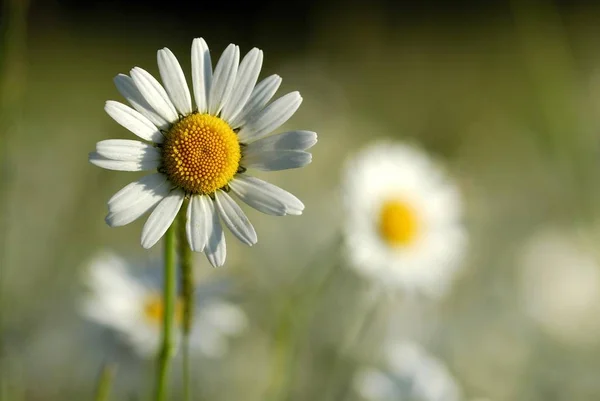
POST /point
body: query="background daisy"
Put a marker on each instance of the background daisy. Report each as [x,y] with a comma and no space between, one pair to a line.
[133,308]
[402,218]
[409,372]
[560,284]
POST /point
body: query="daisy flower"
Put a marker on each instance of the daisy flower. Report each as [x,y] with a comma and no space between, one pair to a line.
[560,285]
[402,218]
[133,308]
[409,372]
[202,152]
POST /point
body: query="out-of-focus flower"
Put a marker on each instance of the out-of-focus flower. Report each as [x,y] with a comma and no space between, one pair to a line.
[203,152]
[133,308]
[409,372]
[560,285]
[403,218]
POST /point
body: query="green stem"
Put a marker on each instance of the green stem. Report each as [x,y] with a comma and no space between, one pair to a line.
[105,381]
[169,295]
[187,294]
[295,319]
[364,315]
[283,344]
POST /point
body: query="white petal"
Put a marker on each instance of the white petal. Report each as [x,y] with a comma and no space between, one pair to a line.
[133,121]
[123,165]
[136,199]
[129,91]
[270,118]
[215,249]
[372,384]
[223,79]
[198,222]
[275,160]
[262,93]
[265,197]
[127,150]
[161,218]
[235,219]
[154,93]
[174,81]
[244,83]
[201,73]
[292,140]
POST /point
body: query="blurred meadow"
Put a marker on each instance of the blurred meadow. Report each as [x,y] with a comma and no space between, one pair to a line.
[506,96]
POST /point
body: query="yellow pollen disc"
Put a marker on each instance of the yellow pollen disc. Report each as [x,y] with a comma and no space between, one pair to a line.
[398,223]
[201,154]
[154,310]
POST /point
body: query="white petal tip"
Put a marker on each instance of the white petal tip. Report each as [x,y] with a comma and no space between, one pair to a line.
[312,140]
[119,78]
[110,106]
[148,242]
[98,161]
[215,263]
[109,219]
[199,42]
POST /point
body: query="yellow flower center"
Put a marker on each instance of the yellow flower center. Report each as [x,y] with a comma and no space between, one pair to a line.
[154,310]
[201,154]
[398,223]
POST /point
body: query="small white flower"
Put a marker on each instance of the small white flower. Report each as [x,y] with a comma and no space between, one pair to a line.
[402,218]
[560,285]
[202,152]
[409,372]
[134,309]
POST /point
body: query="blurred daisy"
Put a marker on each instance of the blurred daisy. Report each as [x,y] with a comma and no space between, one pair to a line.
[403,218]
[133,308]
[202,152]
[560,285]
[409,372]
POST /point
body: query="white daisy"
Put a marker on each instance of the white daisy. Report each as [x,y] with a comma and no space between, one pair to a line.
[409,372]
[133,308]
[202,152]
[560,285]
[403,218]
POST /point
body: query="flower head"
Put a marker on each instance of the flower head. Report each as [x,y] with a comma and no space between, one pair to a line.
[560,285]
[133,307]
[202,152]
[409,372]
[402,218]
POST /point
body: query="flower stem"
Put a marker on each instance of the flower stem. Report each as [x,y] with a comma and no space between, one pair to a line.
[295,319]
[364,315]
[283,350]
[169,298]
[187,294]
[105,381]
